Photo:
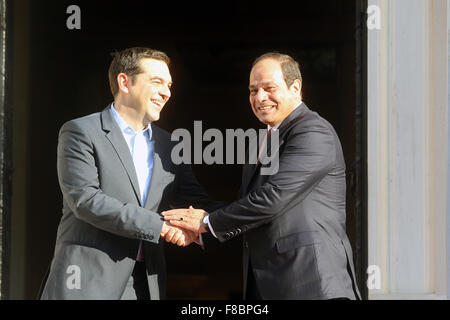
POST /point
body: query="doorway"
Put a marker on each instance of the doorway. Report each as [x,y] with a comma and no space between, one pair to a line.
[212,47]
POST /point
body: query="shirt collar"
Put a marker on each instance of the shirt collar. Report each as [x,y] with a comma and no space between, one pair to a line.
[275,128]
[124,126]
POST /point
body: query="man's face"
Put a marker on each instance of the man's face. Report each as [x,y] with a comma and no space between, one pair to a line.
[271,100]
[150,89]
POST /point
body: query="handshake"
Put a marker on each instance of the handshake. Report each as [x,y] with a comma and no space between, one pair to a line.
[183,226]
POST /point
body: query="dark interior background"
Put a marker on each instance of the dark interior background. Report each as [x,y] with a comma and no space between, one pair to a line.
[212,46]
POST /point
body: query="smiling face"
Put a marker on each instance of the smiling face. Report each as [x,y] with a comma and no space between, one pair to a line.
[150,90]
[141,97]
[271,100]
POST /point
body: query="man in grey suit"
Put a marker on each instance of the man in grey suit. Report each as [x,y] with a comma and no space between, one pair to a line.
[292,221]
[116,176]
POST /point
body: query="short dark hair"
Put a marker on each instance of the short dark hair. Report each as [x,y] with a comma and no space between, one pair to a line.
[289,67]
[127,61]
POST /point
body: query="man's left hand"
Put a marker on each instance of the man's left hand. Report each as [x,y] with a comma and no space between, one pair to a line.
[190,219]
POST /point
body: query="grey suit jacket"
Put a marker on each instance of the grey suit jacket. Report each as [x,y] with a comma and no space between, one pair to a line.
[103,218]
[293,222]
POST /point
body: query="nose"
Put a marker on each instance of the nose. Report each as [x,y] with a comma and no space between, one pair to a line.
[165,92]
[261,95]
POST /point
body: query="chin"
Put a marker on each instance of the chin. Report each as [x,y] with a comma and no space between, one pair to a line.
[154,116]
[266,121]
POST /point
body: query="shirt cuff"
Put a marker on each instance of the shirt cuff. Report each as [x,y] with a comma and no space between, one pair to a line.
[206,221]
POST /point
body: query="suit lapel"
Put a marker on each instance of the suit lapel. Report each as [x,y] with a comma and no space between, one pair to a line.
[119,144]
[251,171]
[158,170]
[247,174]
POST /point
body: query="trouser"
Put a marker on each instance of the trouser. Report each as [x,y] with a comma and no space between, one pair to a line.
[137,286]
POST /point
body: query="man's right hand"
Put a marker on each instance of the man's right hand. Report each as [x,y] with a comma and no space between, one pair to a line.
[176,235]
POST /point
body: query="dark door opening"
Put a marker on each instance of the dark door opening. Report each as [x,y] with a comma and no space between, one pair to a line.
[211,46]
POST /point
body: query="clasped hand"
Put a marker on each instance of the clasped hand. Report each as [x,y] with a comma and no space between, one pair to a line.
[182,226]
[177,235]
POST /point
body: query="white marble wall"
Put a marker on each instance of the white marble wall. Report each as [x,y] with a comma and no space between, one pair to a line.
[407,148]
[448,162]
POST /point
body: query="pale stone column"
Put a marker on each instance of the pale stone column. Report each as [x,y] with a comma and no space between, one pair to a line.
[448,162]
[407,148]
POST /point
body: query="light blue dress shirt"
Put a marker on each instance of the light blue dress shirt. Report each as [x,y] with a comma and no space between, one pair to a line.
[140,144]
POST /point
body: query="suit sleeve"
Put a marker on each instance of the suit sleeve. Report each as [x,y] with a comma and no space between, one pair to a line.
[307,158]
[79,182]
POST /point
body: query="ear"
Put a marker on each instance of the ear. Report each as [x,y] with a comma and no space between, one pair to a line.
[296,87]
[123,81]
